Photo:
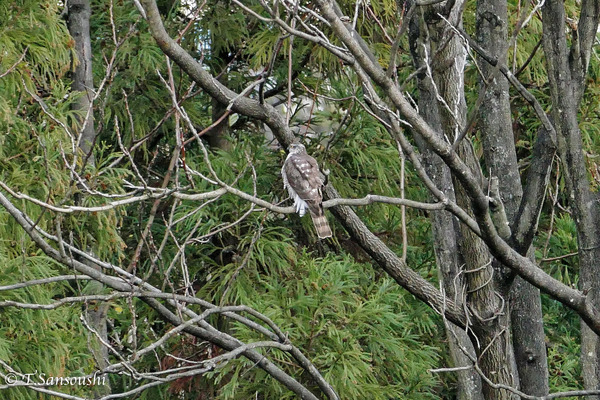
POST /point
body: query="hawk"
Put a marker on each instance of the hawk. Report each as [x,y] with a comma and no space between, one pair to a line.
[303,180]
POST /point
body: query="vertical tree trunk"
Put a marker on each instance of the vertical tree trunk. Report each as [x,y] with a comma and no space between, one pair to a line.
[529,337]
[79,13]
[446,57]
[217,136]
[495,125]
[445,228]
[444,225]
[490,323]
[494,121]
[566,73]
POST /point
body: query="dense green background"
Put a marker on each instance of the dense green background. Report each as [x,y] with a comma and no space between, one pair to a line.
[370,338]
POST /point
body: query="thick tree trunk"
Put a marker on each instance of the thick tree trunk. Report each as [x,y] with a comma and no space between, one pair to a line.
[444,225]
[566,72]
[79,13]
[490,323]
[495,125]
[528,337]
[494,121]
[446,57]
[217,136]
[445,243]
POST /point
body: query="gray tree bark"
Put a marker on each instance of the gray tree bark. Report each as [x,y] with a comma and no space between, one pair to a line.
[78,21]
[567,69]
[444,225]
[490,325]
[445,228]
[528,337]
[217,136]
[490,322]
[495,124]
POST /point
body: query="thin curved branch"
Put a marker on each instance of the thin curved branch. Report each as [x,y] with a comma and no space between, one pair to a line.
[44,281]
[12,67]
[157,193]
[537,107]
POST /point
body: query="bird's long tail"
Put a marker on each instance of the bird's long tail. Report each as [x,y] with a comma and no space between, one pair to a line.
[321,224]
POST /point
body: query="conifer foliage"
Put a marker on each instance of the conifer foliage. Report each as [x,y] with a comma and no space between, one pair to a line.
[464,245]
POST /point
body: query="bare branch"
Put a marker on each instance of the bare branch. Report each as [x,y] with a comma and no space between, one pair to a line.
[12,67]
[44,281]
[539,111]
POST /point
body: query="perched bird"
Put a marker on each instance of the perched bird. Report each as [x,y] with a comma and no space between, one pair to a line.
[304,181]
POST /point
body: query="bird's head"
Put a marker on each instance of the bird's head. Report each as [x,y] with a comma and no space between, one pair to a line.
[297,148]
